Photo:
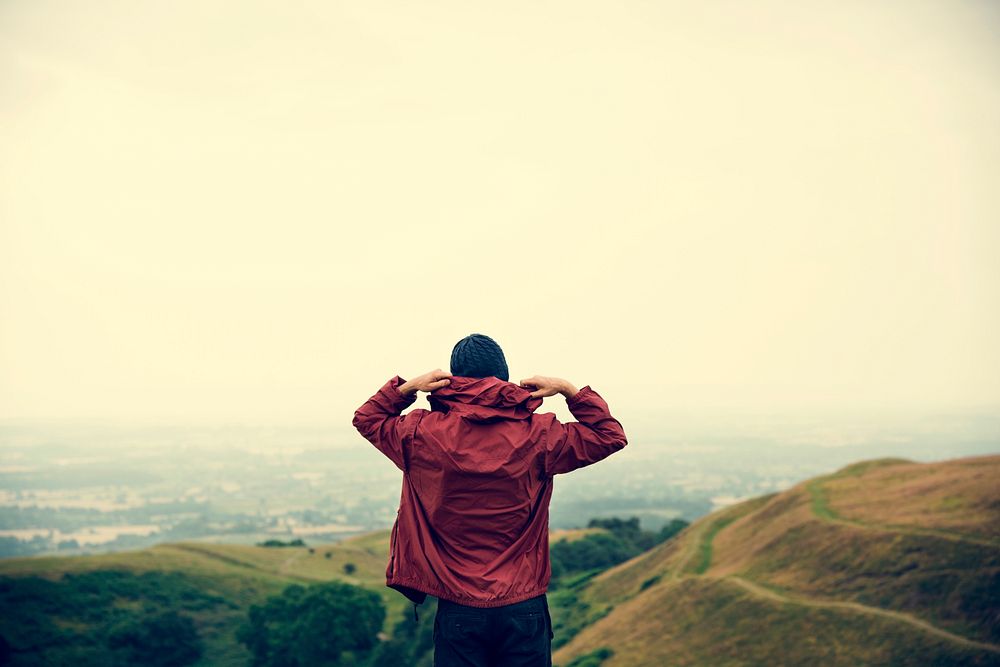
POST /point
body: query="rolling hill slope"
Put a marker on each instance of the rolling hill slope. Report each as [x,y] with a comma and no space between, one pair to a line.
[232,577]
[883,562]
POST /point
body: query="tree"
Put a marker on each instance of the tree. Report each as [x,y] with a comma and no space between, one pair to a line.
[297,542]
[626,530]
[325,624]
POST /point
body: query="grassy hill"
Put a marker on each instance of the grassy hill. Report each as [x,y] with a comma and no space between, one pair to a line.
[883,562]
[60,609]
[213,583]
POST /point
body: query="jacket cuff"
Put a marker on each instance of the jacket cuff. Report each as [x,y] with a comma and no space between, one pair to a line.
[580,395]
[391,391]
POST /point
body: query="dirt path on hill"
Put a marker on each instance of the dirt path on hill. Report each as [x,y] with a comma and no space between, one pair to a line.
[288,562]
[691,549]
[822,510]
[774,596]
[208,554]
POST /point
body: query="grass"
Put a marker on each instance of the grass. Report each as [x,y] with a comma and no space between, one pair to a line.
[573,534]
[862,467]
[710,622]
[820,504]
[704,558]
[570,612]
[593,659]
[954,499]
[377,543]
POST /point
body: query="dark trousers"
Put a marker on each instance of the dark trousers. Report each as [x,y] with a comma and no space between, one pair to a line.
[516,635]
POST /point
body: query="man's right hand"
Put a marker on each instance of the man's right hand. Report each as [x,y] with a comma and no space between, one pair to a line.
[429,381]
[545,386]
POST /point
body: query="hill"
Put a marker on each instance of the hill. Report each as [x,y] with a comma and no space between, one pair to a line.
[212,583]
[882,562]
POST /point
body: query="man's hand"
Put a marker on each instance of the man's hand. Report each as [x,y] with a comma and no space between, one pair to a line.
[546,386]
[429,381]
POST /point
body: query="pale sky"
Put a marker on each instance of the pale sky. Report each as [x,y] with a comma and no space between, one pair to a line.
[262,211]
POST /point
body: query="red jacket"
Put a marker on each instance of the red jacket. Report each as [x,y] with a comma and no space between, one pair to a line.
[473,519]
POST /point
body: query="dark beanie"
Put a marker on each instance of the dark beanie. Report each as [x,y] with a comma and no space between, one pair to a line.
[478,356]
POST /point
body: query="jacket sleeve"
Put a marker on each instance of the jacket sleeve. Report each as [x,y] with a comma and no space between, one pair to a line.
[593,437]
[380,422]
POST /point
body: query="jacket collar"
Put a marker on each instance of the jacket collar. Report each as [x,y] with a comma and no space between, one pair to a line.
[484,399]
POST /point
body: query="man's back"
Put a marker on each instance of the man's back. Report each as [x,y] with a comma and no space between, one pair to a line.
[473,518]
[480,484]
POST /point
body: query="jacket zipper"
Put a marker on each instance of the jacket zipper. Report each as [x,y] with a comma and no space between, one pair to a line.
[392,546]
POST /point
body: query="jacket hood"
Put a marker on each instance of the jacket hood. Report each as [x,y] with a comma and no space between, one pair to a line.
[484,399]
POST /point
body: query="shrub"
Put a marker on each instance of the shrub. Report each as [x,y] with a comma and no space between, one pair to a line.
[315,625]
[163,639]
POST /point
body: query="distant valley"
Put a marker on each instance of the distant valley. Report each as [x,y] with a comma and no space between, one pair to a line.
[91,488]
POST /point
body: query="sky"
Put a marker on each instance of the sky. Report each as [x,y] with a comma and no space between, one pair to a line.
[255,211]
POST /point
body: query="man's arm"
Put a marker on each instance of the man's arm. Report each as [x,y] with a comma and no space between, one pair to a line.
[596,434]
[379,419]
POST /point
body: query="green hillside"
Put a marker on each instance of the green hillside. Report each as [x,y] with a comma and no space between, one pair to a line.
[212,583]
[884,562]
[59,610]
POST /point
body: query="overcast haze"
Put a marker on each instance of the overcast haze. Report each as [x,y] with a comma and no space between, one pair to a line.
[263,211]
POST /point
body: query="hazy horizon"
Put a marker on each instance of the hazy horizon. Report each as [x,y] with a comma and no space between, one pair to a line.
[218,212]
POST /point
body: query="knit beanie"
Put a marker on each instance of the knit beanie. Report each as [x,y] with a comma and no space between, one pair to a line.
[478,356]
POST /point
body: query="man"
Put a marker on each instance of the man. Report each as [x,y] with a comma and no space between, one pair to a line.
[472,525]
